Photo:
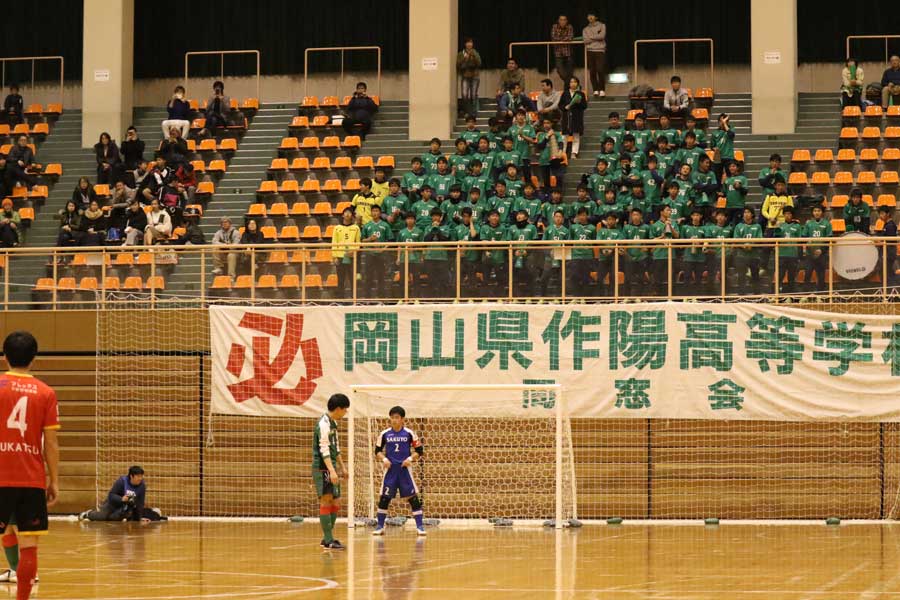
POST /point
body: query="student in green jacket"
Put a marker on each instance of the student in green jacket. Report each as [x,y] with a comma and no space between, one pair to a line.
[609,153]
[636,256]
[508,155]
[689,154]
[441,180]
[376,231]
[694,256]
[789,254]
[413,181]
[665,156]
[395,205]
[600,180]
[664,229]
[665,130]
[495,261]
[719,230]
[652,179]
[550,143]
[430,158]
[690,126]
[582,263]
[746,257]
[529,202]
[642,135]
[437,264]
[459,161]
[816,253]
[734,189]
[857,214]
[423,207]
[606,262]
[476,179]
[410,234]
[514,184]
[471,134]
[481,206]
[676,201]
[551,274]
[523,135]
[470,260]
[722,140]
[614,130]
[610,204]
[768,175]
[453,206]
[525,266]
[485,156]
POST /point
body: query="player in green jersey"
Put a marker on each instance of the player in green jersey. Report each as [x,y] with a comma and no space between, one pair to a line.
[328,468]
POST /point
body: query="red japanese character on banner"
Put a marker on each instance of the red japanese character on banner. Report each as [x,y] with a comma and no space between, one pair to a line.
[267,374]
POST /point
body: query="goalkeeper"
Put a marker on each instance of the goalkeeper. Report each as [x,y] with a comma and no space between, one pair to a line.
[395,448]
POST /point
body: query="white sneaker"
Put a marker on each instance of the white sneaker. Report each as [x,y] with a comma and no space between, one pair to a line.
[596,94]
[378,531]
[218,271]
[421,532]
[602,94]
[8,576]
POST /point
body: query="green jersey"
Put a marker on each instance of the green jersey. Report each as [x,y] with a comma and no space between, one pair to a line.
[616,134]
[670,134]
[381,230]
[713,231]
[602,209]
[701,137]
[556,234]
[689,156]
[481,209]
[750,232]
[453,210]
[487,161]
[685,188]
[702,198]
[438,254]
[598,183]
[586,204]
[659,230]
[544,158]
[440,183]
[459,165]
[412,182]
[495,140]
[580,232]
[522,234]
[734,196]
[502,205]
[494,234]
[764,174]
[636,232]
[461,232]
[481,181]
[422,210]
[694,252]
[531,205]
[505,158]
[855,215]
[652,182]
[679,207]
[787,231]
[665,161]
[513,186]
[607,251]
[817,229]
[642,138]
[548,208]
[724,141]
[325,443]
[410,236]
[395,207]
[429,161]
[518,135]
[471,136]
[641,202]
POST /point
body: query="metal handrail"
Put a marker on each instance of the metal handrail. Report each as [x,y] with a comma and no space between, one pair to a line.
[673,41]
[222,54]
[585,78]
[33,59]
[340,49]
[871,37]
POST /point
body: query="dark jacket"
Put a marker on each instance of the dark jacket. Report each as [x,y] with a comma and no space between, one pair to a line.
[179,109]
[12,103]
[890,76]
[192,234]
[361,108]
[173,151]
[218,106]
[81,199]
[19,153]
[73,220]
[566,99]
[249,237]
[98,225]
[108,155]
[132,153]
[126,500]
[136,220]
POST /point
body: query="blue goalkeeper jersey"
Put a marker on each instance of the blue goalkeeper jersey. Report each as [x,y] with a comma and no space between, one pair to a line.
[398,445]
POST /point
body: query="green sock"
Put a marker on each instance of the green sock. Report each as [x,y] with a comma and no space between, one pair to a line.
[327,524]
[333,519]
[12,556]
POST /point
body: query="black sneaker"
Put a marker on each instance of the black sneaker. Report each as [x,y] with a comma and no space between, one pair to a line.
[322,543]
[334,545]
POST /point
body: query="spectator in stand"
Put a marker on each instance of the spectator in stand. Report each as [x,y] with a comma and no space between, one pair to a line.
[722,141]
[510,102]
[816,254]
[594,36]
[93,225]
[185,183]
[217,108]
[179,111]
[359,113]
[376,231]
[468,61]
[122,196]
[676,102]
[857,214]
[83,193]
[890,82]
[746,257]
[511,76]
[767,175]
[139,175]
[155,182]
[548,101]
[135,224]
[852,79]
[573,104]
[132,151]
[344,242]
[226,259]
[10,222]
[888,229]
[364,200]
[159,225]
[773,214]
[552,147]
[13,106]
[108,160]
[562,31]
[69,225]
[17,163]
[252,235]
[193,235]
[174,148]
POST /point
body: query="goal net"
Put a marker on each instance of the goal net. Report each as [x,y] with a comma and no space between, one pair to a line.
[490,451]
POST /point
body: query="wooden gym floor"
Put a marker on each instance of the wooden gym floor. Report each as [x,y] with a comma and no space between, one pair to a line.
[191,560]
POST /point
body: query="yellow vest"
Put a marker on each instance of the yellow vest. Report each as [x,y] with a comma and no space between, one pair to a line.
[345,238]
[364,206]
[772,209]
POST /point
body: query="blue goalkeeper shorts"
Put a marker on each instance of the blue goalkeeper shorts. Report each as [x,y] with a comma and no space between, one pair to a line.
[398,479]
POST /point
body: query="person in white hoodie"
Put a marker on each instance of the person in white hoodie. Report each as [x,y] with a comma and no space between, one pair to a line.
[594,35]
[159,225]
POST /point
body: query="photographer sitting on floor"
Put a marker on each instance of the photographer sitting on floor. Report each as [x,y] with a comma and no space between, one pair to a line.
[125,501]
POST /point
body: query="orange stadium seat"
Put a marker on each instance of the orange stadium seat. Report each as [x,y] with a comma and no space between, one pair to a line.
[321,162]
[290,186]
[824,155]
[300,209]
[800,156]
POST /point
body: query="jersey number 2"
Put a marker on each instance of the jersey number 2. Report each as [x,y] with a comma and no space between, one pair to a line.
[16,418]
[396,447]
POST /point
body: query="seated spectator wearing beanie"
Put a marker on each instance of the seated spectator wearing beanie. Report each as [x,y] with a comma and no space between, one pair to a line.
[69,225]
[10,222]
[179,111]
[108,160]
[13,106]
[358,116]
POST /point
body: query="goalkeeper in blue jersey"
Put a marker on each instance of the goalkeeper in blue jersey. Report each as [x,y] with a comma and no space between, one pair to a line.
[398,448]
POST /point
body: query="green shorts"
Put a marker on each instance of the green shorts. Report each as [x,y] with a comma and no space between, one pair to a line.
[324,485]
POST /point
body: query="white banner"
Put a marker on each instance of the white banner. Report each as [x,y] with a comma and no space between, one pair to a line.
[673,361]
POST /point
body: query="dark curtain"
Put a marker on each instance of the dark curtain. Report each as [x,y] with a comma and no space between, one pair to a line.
[728,23]
[869,18]
[280,29]
[49,28]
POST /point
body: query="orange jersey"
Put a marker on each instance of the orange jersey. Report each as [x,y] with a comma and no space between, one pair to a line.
[27,407]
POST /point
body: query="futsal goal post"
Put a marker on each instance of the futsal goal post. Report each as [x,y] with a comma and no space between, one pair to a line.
[491,451]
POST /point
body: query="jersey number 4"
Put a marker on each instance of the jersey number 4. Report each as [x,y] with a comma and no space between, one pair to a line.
[16,418]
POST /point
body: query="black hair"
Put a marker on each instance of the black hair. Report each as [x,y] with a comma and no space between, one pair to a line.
[582,211]
[547,81]
[394,180]
[433,140]
[374,206]
[397,410]
[775,156]
[436,212]
[338,401]
[690,134]
[442,159]
[675,78]
[415,159]
[179,87]
[613,115]
[752,212]
[789,209]
[467,211]
[132,128]
[135,470]
[471,118]
[366,182]
[662,138]
[20,348]
[460,140]
[628,138]
[219,85]
[362,83]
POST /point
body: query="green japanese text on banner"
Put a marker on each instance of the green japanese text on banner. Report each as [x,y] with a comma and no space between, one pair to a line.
[672,361]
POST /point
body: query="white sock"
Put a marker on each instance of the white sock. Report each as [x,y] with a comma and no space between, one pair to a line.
[576,142]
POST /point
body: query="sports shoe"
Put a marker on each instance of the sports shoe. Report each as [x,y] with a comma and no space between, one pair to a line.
[322,543]
[83,516]
[8,576]
[421,532]
[596,94]
[378,531]
[602,93]
[334,545]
